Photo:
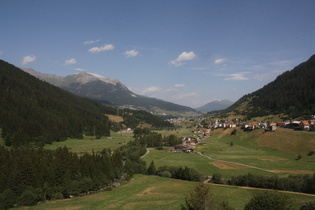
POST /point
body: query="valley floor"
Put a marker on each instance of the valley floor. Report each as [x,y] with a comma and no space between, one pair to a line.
[252,152]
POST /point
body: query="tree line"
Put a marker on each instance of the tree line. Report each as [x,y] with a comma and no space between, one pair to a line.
[295,183]
[29,175]
[153,139]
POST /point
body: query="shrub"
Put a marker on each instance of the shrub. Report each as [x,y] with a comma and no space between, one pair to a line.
[269,201]
[308,206]
[28,197]
[57,195]
[166,174]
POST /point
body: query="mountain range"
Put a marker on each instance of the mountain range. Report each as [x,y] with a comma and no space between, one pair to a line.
[34,112]
[291,95]
[109,92]
[215,105]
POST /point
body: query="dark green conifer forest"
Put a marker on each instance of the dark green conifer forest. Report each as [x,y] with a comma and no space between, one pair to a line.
[33,112]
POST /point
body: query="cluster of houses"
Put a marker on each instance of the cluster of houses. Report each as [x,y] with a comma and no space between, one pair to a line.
[189,142]
[308,125]
[127,130]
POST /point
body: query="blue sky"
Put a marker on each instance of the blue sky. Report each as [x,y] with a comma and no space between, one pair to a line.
[188,52]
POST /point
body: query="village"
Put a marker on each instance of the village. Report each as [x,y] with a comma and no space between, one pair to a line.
[203,131]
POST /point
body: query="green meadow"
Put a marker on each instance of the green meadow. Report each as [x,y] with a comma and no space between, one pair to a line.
[263,150]
[90,144]
[153,192]
[275,157]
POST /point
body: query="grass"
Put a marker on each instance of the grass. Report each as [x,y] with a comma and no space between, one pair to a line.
[247,149]
[88,145]
[143,192]
[115,118]
[152,192]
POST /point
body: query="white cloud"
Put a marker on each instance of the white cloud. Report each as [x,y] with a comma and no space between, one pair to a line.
[219,61]
[236,76]
[79,69]
[151,90]
[102,48]
[261,76]
[71,61]
[185,95]
[1,53]
[131,53]
[28,59]
[283,63]
[91,41]
[174,88]
[185,56]
[179,85]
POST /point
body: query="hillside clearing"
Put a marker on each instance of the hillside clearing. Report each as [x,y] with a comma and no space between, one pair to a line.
[115,118]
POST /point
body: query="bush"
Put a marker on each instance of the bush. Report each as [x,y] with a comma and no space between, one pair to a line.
[159,148]
[7,199]
[299,157]
[180,173]
[28,197]
[269,201]
[308,206]
[166,174]
[216,178]
[57,195]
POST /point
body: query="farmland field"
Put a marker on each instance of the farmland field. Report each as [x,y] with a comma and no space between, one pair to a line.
[152,192]
[258,149]
[252,149]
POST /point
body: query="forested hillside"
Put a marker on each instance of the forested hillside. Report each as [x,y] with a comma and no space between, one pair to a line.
[292,94]
[35,112]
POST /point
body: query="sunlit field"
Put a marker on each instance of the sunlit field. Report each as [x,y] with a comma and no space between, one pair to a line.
[153,192]
[90,144]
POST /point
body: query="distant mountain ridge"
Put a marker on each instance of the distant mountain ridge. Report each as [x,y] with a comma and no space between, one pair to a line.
[291,94]
[109,92]
[34,112]
[215,105]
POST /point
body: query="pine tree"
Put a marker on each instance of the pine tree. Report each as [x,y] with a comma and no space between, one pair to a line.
[151,170]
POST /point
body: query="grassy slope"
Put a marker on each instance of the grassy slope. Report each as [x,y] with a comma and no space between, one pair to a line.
[246,150]
[152,192]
